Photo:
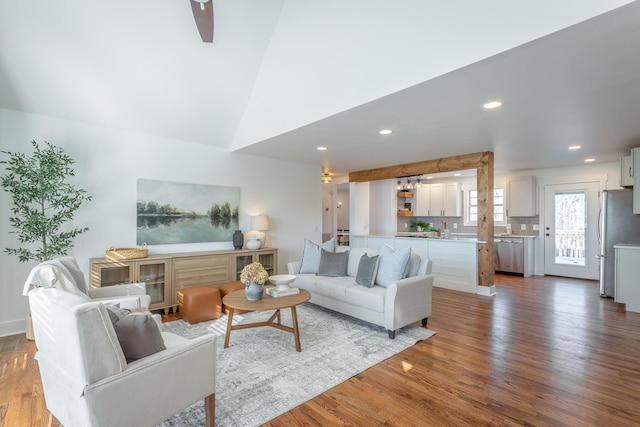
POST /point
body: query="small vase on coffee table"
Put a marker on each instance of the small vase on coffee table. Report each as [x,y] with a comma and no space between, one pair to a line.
[253,291]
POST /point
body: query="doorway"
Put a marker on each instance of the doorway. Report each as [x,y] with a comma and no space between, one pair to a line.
[570,234]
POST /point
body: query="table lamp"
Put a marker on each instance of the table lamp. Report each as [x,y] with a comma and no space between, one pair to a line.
[259,223]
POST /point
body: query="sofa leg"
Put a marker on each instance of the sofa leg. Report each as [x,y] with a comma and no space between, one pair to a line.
[210,410]
[392,334]
[424,321]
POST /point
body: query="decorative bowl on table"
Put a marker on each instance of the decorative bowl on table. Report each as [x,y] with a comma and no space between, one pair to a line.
[282,281]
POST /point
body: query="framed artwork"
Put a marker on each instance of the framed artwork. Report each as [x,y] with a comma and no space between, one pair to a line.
[174,212]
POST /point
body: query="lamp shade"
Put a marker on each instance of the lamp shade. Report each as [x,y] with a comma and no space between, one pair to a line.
[260,222]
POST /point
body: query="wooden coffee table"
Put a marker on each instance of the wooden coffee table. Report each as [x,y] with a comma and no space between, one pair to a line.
[238,301]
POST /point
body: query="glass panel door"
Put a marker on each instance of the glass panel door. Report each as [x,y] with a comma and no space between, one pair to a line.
[570,230]
[153,275]
[571,223]
[114,275]
[267,262]
[241,262]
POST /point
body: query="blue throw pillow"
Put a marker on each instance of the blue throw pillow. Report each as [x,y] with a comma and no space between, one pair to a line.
[311,255]
[393,264]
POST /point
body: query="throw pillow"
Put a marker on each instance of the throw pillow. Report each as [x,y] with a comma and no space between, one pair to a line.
[116,313]
[139,336]
[311,255]
[392,265]
[333,264]
[367,270]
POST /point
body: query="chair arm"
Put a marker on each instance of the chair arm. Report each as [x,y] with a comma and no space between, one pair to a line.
[407,301]
[294,267]
[131,397]
[130,295]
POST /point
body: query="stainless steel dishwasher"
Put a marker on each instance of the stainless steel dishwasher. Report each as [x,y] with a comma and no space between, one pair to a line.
[509,255]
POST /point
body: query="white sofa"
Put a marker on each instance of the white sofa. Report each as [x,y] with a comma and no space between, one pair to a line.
[403,302]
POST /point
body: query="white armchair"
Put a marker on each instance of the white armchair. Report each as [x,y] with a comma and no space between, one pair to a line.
[85,375]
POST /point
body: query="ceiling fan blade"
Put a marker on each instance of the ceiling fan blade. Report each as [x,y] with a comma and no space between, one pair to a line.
[203,15]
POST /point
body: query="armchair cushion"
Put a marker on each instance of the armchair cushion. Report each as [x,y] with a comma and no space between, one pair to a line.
[139,336]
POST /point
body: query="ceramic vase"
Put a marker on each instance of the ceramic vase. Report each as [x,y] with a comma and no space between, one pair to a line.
[238,239]
[253,291]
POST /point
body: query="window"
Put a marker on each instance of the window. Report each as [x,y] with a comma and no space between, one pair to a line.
[471,213]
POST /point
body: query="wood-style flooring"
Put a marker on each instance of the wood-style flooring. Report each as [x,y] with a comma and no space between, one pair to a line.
[545,351]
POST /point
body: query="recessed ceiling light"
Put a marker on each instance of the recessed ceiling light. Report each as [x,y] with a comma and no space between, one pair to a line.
[321,148]
[575,147]
[493,104]
[590,159]
[457,174]
[429,177]
[385,132]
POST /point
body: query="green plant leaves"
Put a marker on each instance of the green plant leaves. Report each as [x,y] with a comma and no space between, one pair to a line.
[43,201]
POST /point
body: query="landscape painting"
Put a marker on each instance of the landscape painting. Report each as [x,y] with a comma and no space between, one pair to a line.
[174,212]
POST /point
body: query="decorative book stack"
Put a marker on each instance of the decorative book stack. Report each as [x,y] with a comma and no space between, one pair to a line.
[282,293]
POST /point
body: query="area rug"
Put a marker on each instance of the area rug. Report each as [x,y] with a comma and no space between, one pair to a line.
[261,376]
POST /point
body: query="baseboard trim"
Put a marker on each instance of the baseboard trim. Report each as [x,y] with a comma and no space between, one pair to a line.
[487,291]
[13,327]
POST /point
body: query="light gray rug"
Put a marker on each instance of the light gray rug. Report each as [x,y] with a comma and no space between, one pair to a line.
[261,376]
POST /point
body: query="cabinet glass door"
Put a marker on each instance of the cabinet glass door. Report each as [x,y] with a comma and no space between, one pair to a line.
[267,262]
[154,277]
[114,275]
[241,262]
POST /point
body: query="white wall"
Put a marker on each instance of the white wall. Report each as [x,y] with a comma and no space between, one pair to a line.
[108,163]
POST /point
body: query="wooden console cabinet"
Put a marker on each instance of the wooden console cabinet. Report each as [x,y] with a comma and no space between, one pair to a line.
[165,275]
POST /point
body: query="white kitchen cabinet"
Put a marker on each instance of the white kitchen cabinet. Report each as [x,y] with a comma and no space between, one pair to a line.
[635,161]
[626,172]
[421,201]
[522,196]
[445,199]
[627,287]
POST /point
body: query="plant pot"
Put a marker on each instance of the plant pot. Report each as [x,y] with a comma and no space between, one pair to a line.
[253,291]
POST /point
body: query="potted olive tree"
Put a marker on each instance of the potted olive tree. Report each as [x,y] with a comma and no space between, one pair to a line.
[43,201]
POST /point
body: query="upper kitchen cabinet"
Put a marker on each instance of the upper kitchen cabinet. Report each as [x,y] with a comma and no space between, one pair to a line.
[626,172]
[445,199]
[421,201]
[521,196]
[635,167]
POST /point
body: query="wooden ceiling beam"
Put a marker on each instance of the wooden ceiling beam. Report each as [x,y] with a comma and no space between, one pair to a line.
[447,164]
[483,163]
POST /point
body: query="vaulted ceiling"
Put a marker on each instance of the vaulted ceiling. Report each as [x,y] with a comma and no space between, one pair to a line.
[283,77]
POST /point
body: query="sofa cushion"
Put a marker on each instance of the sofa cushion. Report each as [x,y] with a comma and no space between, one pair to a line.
[333,264]
[311,254]
[367,270]
[306,281]
[392,265]
[139,336]
[334,287]
[413,266]
[354,259]
[369,298]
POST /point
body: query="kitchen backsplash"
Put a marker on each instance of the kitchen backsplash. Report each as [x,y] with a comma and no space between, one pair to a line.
[404,224]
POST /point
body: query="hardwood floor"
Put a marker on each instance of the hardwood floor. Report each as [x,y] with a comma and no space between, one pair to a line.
[543,351]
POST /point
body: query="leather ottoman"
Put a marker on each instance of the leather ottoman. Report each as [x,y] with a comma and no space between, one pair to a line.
[229,287]
[200,303]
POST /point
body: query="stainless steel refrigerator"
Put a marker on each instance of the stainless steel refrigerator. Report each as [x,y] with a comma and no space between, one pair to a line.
[618,224]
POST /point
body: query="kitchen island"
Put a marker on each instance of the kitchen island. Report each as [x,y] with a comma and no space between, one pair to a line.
[455,260]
